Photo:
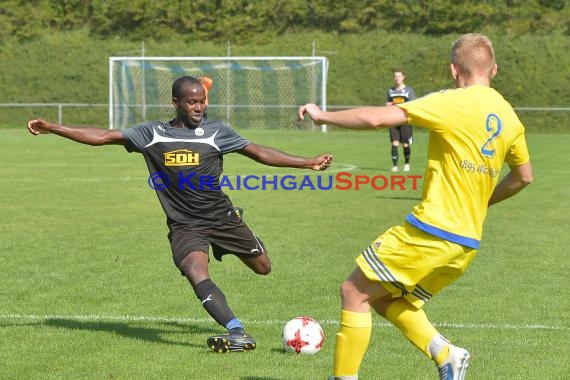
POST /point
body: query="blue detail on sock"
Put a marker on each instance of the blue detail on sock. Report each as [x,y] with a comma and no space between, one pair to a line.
[234,324]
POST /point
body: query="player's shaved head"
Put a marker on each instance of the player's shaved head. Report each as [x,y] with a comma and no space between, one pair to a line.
[473,54]
[181,82]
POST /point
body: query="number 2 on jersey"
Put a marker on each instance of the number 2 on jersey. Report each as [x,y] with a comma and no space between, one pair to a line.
[493,123]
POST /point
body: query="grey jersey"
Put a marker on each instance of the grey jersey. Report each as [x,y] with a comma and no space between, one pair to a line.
[397,96]
[190,162]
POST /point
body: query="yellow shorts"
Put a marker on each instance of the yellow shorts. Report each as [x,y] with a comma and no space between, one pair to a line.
[413,264]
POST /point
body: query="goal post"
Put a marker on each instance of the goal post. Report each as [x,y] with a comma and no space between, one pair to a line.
[248,92]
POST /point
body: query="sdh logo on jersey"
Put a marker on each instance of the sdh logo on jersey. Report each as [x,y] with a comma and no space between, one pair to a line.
[181,157]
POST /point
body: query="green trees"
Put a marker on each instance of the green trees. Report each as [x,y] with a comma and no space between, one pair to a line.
[247,19]
[57,51]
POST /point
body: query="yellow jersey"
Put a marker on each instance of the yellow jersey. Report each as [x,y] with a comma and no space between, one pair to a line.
[472,132]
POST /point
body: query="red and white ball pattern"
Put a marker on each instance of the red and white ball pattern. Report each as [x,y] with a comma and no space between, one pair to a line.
[303,335]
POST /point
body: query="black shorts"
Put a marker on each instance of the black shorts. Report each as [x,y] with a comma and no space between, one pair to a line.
[234,237]
[403,134]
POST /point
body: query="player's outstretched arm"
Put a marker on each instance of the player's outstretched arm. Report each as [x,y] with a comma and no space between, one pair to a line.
[274,157]
[363,118]
[84,135]
[517,179]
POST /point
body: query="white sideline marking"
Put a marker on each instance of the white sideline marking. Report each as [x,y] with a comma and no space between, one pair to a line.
[142,318]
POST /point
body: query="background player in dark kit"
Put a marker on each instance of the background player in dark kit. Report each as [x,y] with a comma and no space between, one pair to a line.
[400,93]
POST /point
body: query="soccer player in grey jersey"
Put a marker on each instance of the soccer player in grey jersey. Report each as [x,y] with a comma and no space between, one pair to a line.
[185,159]
[402,134]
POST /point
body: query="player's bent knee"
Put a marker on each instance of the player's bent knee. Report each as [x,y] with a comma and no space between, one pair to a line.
[259,265]
[265,264]
[263,271]
[263,268]
[346,289]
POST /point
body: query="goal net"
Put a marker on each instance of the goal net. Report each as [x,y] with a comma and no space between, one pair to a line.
[248,92]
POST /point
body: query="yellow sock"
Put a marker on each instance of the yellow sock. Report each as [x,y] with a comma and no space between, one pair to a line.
[413,323]
[442,355]
[351,342]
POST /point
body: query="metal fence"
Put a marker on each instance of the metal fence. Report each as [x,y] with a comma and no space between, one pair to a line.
[97,114]
[68,113]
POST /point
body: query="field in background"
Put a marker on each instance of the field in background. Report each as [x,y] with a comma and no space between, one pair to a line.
[89,290]
[72,67]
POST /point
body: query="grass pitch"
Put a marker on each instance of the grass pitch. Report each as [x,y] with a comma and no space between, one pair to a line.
[89,290]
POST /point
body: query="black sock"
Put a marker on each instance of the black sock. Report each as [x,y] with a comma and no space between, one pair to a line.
[394,155]
[214,301]
[407,153]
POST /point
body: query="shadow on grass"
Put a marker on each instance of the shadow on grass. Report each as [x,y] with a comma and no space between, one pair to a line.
[281,351]
[132,331]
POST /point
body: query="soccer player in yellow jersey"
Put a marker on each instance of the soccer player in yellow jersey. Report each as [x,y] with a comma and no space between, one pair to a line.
[472,131]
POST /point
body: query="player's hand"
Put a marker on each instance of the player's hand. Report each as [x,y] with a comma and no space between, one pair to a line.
[310,109]
[323,162]
[38,126]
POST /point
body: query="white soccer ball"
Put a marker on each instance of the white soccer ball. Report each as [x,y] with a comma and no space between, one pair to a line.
[303,335]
